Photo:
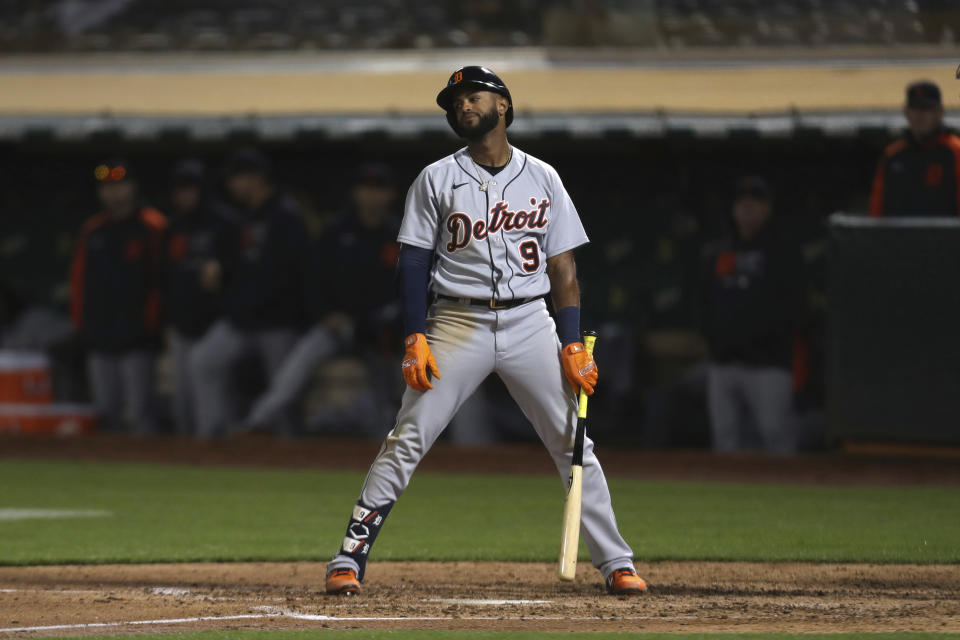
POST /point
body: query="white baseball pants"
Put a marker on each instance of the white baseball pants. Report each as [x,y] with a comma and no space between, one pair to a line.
[521,346]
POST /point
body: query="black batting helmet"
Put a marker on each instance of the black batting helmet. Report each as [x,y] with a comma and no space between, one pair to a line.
[479,78]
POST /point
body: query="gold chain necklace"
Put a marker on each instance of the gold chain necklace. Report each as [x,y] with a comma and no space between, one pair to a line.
[476,168]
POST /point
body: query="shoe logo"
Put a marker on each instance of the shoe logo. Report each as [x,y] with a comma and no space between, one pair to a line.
[457,186]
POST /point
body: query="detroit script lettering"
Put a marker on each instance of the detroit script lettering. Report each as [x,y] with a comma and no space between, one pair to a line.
[462,229]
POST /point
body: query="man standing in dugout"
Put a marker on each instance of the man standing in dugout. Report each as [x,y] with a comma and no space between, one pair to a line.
[196,256]
[115,284]
[487,233]
[751,299]
[919,173]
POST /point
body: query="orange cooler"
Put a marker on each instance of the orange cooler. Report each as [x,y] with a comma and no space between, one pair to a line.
[25,377]
[49,419]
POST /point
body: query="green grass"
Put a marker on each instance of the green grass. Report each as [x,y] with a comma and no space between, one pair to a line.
[520,635]
[169,513]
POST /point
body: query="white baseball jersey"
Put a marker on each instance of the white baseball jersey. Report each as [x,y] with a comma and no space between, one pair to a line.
[491,234]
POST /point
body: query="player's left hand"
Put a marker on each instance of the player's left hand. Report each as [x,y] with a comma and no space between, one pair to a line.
[579,368]
[417,360]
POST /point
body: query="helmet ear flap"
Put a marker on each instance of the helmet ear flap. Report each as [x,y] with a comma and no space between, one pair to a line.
[452,120]
[508,112]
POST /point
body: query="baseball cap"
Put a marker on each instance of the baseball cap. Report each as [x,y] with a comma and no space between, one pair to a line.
[249,160]
[923,94]
[188,172]
[753,187]
[374,174]
[113,170]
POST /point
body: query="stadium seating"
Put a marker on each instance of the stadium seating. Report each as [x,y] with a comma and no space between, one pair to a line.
[287,25]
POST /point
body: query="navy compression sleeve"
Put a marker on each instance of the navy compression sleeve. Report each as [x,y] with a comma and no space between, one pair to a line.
[413,282]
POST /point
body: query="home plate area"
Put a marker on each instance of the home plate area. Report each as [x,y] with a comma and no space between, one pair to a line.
[689,596]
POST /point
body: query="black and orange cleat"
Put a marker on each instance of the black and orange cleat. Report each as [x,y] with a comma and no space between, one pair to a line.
[343,582]
[625,582]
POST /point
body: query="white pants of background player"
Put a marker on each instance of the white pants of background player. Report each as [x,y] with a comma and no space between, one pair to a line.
[212,361]
[521,346]
[122,386]
[751,407]
[184,385]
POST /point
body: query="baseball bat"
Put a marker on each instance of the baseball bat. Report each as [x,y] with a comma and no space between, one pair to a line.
[570,531]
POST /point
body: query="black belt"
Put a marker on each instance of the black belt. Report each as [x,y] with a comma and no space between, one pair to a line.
[490,303]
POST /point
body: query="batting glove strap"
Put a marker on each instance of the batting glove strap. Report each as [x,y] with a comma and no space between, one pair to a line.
[418,364]
[365,523]
[579,368]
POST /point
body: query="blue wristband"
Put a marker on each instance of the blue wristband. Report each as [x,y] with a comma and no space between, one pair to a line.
[568,325]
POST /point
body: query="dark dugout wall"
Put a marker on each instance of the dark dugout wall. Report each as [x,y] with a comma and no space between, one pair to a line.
[893,330]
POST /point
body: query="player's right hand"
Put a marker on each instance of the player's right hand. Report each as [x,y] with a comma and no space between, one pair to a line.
[417,360]
[579,368]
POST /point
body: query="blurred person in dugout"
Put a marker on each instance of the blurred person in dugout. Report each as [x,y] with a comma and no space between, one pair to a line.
[115,285]
[919,173]
[355,310]
[196,257]
[263,296]
[27,326]
[752,293]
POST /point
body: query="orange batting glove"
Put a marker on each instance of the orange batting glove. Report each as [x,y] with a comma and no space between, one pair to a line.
[417,360]
[579,367]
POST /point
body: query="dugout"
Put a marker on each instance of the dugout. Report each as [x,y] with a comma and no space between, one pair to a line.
[893,345]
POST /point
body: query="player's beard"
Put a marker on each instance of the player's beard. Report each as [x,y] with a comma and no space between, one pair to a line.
[486,123]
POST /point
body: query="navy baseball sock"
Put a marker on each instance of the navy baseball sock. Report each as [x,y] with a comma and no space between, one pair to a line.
[364,526]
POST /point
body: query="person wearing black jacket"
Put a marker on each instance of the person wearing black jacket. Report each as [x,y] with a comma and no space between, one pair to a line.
[115,286]
[196,257]
[919,173]
[264,295]
[358,314]
[752,298]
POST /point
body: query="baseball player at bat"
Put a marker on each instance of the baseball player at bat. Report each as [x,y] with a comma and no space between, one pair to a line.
[487,233]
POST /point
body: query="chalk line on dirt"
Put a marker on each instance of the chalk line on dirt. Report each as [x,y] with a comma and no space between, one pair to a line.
[99,625]
[484,602]
[274,612]
[54,591]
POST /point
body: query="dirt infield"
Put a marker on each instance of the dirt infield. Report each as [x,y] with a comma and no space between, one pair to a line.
[692,597]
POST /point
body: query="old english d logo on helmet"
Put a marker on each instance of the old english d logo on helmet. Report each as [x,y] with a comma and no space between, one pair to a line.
[479,77]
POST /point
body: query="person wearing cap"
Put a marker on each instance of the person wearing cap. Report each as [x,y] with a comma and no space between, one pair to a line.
[488,232]
[196,255]
[115,283]
[752,293]
[919,173]
[264,295]
[361,242]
